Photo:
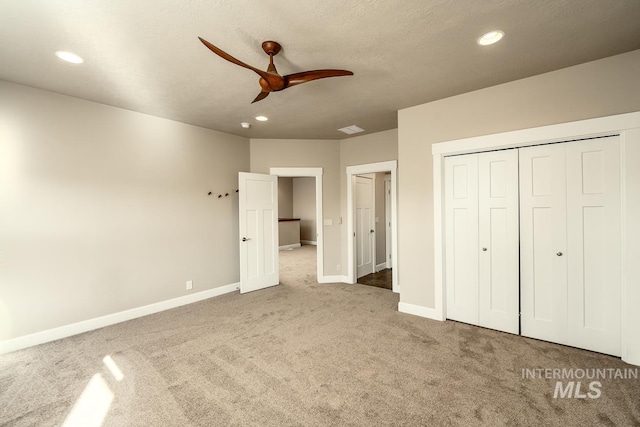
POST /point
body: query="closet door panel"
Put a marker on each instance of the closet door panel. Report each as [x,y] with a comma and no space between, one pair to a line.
[543,276]
[498,240]
[461,234]
[594,244]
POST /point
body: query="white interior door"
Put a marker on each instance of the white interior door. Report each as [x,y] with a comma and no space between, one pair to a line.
[461,233]
[499,269]
[594,242]
[258,208]
[543,230]
[365,226]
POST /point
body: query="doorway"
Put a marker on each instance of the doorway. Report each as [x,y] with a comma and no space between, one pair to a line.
[373,230]
[352,173]
[297,236]
[315,173]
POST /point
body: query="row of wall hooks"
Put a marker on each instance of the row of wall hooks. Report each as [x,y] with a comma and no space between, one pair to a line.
[220,196]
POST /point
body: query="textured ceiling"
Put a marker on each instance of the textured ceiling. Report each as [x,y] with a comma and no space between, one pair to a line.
[144,55]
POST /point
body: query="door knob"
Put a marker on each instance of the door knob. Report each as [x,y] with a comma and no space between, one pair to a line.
[244,239]
[559,254]
[484,249]
[371,231]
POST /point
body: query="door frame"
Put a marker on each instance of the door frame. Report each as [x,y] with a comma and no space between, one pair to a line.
[352,171]
[317,174]
[627,126]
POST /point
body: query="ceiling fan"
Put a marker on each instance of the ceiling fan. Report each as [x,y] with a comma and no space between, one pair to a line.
[270,80]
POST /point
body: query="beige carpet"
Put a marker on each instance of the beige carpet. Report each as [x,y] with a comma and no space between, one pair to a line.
[303,354]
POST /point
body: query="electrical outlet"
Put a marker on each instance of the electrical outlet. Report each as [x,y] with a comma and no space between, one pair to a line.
[189,284]
[338,267]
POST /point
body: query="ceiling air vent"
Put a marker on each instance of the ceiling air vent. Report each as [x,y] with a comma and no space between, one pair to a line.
[350,130]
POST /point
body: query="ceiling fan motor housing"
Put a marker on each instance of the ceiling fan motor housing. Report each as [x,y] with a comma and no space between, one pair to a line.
[271,47]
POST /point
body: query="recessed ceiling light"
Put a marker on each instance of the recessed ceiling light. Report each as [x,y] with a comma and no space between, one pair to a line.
[69,57]
[490,38]
[350,130]
[262,118]
[245,125]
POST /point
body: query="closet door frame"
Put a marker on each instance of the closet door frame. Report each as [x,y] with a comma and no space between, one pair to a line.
[627,126]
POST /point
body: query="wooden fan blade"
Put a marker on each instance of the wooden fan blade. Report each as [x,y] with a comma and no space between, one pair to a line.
[262,95]
[222,54]
[307,76]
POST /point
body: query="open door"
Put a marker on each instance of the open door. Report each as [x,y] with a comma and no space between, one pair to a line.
[258,208]
[365,226]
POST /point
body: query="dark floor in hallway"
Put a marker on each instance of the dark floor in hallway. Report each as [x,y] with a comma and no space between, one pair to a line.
[381,279]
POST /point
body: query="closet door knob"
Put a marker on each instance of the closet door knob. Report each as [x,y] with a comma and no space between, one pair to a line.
[559,254]
[244,239]
[484,249]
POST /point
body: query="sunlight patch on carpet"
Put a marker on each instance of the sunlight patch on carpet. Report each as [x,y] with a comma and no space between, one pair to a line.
[92,406]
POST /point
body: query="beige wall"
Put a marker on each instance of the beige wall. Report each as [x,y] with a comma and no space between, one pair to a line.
[600,88]
[105,209]
[285,197]
[371,148]
[268,153]
[304,206]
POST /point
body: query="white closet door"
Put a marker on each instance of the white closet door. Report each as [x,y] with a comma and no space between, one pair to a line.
[543,269]
[499,272]
[593,251]
[461,218]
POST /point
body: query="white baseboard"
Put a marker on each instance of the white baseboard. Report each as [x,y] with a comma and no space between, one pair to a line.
[30,340]
[309,242]
[291,246]
[381,267]
[418,310]
[333,279]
